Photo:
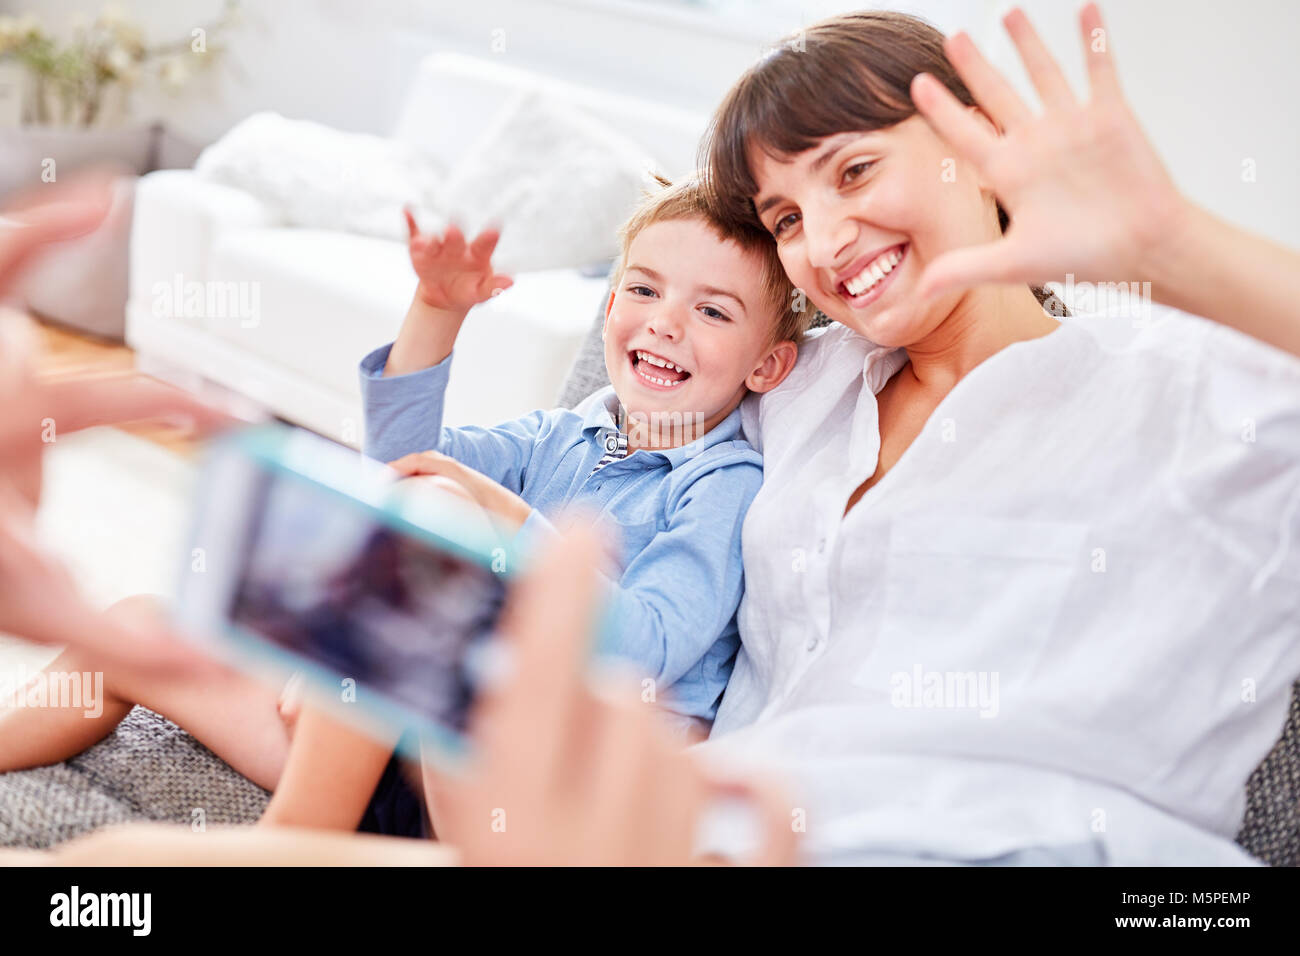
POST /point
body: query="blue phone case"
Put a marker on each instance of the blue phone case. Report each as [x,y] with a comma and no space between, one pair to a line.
[368,486]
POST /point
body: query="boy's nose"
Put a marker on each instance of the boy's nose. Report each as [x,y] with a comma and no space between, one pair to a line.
[665,325]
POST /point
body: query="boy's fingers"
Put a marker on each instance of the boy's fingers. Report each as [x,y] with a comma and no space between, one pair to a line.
[490,285]
[483,244]
[412,229]
[453,241]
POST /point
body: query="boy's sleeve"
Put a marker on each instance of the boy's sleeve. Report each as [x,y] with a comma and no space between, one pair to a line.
[676,597]
[403,415]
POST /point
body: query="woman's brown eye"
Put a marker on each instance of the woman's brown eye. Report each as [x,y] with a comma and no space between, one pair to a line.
[782,223]
[856,170]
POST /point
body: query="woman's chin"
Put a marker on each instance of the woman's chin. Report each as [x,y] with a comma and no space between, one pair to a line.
[890,326]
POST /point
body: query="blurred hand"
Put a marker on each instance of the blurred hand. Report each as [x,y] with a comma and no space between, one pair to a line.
[454,276]
[38,599]
[562,775]
[1084,189]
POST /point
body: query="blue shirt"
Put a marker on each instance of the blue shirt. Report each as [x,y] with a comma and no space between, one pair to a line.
[678,512]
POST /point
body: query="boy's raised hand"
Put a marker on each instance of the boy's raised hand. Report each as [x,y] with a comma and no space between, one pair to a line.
[454,275]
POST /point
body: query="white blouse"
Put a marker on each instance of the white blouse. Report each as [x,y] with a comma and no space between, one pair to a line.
[1070,613]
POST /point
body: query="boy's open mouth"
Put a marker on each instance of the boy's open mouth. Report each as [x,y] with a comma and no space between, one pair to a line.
[657,371]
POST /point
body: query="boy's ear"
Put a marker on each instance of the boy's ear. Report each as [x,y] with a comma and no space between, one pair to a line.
[776,365]
[609,307]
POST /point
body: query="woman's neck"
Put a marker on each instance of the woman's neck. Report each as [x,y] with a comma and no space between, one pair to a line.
[985,321]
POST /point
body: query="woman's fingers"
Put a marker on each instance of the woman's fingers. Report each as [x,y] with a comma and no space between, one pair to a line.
[1053,89]
[989,87]
[997,261]
[1103,78]
[952,120]
[412,230]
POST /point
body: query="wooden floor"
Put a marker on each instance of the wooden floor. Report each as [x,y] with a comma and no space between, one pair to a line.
[69,354]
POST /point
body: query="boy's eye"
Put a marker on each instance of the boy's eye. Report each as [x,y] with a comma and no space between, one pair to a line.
[713,313]
[784,223]
[641,290]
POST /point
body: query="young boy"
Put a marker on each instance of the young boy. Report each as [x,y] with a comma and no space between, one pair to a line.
[697,318]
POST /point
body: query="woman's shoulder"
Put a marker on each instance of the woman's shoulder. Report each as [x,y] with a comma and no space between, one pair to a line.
[829,358]
[1181,342]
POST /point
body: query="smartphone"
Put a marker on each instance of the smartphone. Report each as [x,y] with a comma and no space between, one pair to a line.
[308,558]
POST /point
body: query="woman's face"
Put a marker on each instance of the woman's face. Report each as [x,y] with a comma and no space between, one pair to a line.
[858,216]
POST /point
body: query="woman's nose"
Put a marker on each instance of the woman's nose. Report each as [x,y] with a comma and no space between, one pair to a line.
[826,236]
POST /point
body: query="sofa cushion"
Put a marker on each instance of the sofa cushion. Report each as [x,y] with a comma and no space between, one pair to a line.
[319,177]
[559,183]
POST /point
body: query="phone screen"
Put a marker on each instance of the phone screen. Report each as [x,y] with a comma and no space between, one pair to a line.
[324,580]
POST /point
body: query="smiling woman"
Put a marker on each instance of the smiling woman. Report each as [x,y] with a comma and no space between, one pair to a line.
[960,479]
[857,82]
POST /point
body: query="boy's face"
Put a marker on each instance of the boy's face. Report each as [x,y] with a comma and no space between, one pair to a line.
[693,300]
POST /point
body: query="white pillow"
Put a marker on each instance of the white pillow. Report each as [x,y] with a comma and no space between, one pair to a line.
[323,178]
[558,181]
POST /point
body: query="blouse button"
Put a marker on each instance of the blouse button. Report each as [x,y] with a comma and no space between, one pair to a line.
[812,644]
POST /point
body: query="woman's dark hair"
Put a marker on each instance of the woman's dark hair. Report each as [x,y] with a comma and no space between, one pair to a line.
[848,72]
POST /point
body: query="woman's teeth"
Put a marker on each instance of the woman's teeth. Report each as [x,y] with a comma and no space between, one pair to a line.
[873,272]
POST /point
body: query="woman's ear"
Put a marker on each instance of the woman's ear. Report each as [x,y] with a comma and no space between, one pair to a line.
[776,365]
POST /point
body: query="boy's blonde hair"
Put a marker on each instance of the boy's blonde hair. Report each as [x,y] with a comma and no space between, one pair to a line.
[687,200]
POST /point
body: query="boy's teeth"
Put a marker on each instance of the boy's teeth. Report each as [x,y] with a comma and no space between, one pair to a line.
[662,363]
[649,359]
[873,272]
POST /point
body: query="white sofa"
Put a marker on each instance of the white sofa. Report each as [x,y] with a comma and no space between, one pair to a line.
[326,298]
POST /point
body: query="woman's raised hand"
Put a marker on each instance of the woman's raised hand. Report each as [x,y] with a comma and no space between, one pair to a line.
[1085,190]
[455,275]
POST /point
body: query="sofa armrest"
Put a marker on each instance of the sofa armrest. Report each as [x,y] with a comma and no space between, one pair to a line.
[177,220]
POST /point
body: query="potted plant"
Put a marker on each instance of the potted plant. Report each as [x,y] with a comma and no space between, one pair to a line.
[65,97]
[70,91]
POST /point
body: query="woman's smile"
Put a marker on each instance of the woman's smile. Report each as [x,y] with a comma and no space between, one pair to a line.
[871,275]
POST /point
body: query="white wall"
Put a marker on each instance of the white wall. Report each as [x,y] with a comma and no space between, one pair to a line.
[1213,83]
